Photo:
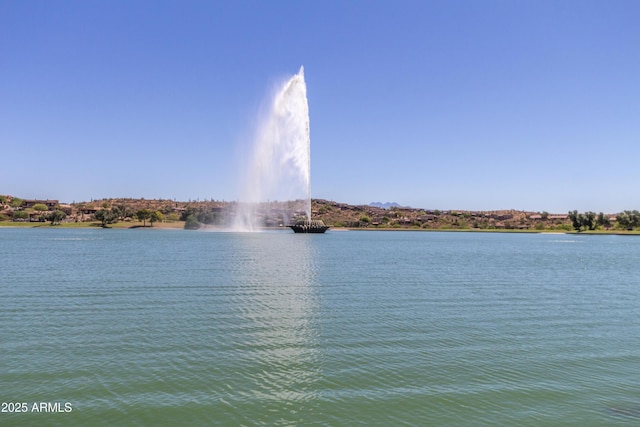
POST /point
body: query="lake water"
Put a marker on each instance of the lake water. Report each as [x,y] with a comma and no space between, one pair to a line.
[171,327]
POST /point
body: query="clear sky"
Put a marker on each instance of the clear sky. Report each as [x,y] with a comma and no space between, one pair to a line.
[453,104]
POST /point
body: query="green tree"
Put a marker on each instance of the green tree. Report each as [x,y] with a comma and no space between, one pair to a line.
[205,217]
[585,221]
[634,216]
[16,202]
[628,219]
[576,222]
[191,223]
[123,211]
[156,216]
[602,220]
[622,220]
[188,212]
[589,220]
[40,207]
[17,215]
[56,216]
[106,216]
[143,215]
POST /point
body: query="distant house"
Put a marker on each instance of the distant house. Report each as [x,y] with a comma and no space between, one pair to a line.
[67,209]
[561,217]
[50,204]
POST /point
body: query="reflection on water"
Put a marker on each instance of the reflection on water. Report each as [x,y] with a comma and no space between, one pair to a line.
[355,328]
[277,302]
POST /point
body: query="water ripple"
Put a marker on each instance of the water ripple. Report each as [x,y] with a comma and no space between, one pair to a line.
[341,329]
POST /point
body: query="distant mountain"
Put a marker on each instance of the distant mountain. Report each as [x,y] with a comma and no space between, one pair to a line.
[386,205]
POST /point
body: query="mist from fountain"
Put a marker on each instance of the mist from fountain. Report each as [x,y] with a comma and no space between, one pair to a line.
[278,171]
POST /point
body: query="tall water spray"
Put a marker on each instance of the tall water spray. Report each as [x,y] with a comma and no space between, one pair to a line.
[279,168]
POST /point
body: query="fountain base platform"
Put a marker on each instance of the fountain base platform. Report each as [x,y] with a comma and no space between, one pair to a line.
[313,226]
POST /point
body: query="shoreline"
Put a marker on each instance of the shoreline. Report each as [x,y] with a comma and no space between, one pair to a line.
[335,214]
[179,225]
[511,231]
[119,225]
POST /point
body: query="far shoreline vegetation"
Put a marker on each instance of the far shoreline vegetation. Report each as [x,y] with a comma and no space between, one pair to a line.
[122,213]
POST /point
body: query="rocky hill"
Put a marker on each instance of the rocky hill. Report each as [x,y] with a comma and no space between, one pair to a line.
[335,214]
[342,214]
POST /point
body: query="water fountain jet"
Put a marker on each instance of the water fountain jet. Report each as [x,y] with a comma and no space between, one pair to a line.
[280,167]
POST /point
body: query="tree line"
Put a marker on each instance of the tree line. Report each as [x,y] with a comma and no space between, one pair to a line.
[195,217]
[112,215]
[627,220]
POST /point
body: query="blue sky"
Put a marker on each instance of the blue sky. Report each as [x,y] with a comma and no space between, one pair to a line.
[476,105]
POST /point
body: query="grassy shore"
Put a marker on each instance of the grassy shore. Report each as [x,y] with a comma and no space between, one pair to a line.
[120,225]
[501,230]
[180,225]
